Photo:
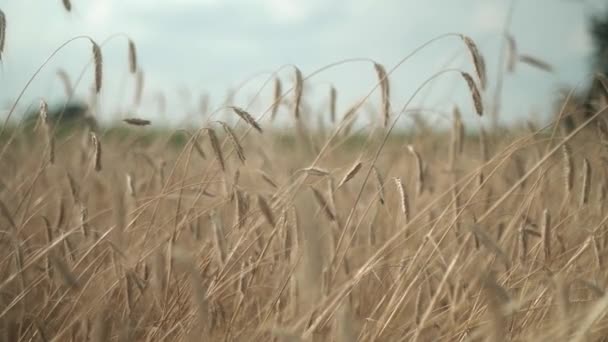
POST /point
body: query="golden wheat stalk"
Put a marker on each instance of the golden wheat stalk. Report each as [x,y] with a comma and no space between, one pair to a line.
[215,146]
[132,57]
[96,151]
[240,152]
[586,182]
[478,61]
[568,168]
[419,170]
[323,204]
[405,207]
[350,174]
[298,89]
[385,89]
[379,184]
[219,240]
[98,61]
[546,233]
[2,32]
[474,93]
[266,211]
[243,114]
[278,92]
[535,62]
[65,79]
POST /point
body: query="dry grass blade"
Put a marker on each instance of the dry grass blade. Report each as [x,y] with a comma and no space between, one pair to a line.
[2,32]
[278,92]
[350,174]
[478,61]
[137,121]
[385,89]
[132,57]
[98,60]
[97,151]
[240,152]
[535,62]
[48,132]
[215,145]
[67,5]
[405,207]
[247,118]
[266,211]
[101,331]
[474,93]
[298,89]
[65,79]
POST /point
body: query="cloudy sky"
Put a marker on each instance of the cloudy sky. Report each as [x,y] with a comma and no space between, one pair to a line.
[190,47]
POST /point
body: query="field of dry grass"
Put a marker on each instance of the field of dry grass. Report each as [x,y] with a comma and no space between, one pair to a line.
[238,231]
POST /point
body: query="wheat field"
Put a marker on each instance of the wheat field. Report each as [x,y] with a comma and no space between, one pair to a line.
[236,230]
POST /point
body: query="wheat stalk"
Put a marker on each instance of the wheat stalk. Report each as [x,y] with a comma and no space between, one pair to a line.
[234,141]
[419,170]
[385,89]
[67,84]
[278,92]
[568,168]
[323,204]
[266,211]
[352,172]
[535,62]
[97,151]
[48,132]
[2,32]
[215,146]
[247,118]
[478,61]
[586,182]
[219,240]
[379,183]
[132,57]
[67,5]
[405,207]
[298,89]
[474,93]
[98,60]
[546,233]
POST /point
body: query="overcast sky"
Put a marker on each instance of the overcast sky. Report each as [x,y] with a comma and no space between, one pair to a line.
[188,47]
